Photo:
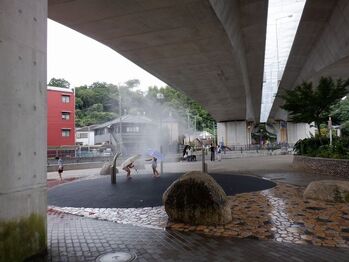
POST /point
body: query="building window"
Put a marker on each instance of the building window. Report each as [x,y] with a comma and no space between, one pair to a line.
[65,115]
[132,129]
[65,99]
[82,135]
[99,132]
[65,132]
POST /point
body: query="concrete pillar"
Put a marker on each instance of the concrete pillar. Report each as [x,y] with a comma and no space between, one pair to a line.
[233,133]
[281,131]
[296,131]
[23,193]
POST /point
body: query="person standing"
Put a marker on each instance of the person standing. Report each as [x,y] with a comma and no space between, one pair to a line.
[212,149]
[190,154]
[60,167]
[219,153]
[154,164]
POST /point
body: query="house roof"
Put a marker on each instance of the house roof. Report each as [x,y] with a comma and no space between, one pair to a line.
[60,89]
[85,128]
[124,119]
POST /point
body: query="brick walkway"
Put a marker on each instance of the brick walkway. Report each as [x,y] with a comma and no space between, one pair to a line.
[73,238]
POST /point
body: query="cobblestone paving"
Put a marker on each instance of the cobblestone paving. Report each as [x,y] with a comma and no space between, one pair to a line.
[155,217]
[279,213]
[74,238]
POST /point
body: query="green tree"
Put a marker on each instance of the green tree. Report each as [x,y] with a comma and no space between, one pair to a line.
[94,103]
[132,83]
[340,111]
[340,115]
[308,104]
[183,104]
[59,82]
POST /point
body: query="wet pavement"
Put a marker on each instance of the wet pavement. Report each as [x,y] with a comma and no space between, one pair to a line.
[73,238]
[271,225]
[142,190]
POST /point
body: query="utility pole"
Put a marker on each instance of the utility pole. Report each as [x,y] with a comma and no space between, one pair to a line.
[195,122]
[120,122]
[161,97]
[214,131]
[330,129]
[188,119]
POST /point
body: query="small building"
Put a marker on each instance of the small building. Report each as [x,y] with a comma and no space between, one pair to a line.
[129,134]
[173,128]
[60,117]
[85,136]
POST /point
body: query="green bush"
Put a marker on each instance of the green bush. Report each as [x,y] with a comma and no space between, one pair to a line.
[320,147]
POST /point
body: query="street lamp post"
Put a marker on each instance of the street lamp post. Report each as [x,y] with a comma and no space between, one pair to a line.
[277,44]
[160,97]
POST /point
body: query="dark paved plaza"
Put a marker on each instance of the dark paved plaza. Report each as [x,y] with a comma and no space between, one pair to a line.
[140,191]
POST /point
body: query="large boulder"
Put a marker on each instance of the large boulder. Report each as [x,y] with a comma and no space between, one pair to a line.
[196,199]
[106,169]
[328,190]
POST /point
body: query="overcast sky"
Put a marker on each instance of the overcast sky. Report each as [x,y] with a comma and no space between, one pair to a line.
[82,60]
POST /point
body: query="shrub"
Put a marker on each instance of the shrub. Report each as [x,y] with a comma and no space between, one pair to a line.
[320,147]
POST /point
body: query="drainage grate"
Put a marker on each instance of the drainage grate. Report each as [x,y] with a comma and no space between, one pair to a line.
[116,257]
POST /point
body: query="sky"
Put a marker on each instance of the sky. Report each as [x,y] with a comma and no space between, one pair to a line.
[81,60]
[282,24]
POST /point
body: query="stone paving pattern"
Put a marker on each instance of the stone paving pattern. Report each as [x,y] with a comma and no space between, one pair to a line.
[74,238]
[154,217]
[292,229]
[279,213]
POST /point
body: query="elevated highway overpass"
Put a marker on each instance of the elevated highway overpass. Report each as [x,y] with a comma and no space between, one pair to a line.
[212,50]
[320,48]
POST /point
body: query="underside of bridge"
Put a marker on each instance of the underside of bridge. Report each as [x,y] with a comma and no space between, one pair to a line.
[320,48]
[211,50]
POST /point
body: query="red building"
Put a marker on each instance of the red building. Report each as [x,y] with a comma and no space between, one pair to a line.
[60,117]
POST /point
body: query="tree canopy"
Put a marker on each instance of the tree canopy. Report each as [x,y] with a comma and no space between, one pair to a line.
[99,102]
[308,104]
[59,82]
[340,115]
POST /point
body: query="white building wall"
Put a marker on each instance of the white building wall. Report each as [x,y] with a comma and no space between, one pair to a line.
[232,133]
[89,140]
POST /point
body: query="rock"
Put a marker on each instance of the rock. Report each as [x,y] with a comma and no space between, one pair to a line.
[106,169]
[328,190]
[196,199]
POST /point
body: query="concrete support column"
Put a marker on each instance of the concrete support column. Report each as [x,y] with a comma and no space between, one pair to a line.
[281,131]
[233,133]
[296,131]
[23,199]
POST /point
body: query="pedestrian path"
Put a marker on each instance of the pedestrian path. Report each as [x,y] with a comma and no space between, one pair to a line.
[292,229]
[73,238]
